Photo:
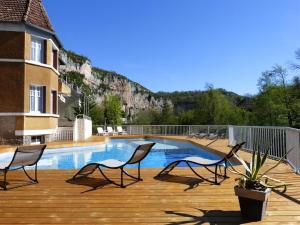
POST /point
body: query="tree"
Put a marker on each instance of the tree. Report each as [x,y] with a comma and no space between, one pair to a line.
[147,117]
[113,110]
[215,108]
[276,95]
[167,114]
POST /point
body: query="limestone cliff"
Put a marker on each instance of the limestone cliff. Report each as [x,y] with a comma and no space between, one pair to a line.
[134,97]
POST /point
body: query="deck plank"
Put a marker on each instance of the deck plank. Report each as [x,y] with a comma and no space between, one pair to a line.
[179,199]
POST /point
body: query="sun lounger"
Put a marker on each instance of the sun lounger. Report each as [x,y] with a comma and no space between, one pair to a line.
[23,157]
[206,163]
[139,154]
[111,131]
[100,131]
[120,130]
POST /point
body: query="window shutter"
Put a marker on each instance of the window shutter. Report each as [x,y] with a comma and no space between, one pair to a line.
[45,51]
[44,99]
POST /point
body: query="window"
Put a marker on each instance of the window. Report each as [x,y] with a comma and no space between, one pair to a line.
[37,50]
[36,140]
[37,95]
[53,102]
[54,59]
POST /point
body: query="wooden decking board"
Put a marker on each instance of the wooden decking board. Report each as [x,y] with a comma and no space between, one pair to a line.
[181,199]
[55,201]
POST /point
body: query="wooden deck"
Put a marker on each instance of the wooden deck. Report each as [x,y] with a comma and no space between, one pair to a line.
[178,199]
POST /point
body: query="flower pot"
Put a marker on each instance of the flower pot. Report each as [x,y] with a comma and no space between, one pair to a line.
[253,203]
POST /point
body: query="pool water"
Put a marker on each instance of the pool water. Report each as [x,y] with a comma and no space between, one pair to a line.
[163,152]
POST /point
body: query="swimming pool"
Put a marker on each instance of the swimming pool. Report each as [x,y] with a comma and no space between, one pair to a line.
[163,152]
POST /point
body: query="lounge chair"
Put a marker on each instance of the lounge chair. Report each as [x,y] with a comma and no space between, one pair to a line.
[203,162]
[110,131]
[100,131]
[120,130]
[212,136]
[23,156]
[139,154]
[198,135]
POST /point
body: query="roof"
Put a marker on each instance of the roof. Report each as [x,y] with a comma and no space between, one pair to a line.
[26,11]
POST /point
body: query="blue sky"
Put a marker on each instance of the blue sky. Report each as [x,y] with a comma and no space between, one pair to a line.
[169,45]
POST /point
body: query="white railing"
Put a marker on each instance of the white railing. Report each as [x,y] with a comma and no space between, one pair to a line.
[277,140]
[293,143]
[175,130]
[61,134]
[260,139]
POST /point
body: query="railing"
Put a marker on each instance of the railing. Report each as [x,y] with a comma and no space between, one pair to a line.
[62,134]
[175,130]
[277,140]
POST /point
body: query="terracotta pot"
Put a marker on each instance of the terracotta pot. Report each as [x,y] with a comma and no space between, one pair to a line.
[253,203]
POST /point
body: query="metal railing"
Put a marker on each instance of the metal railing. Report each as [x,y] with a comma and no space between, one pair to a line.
[174,130]
[62,134]
[277,140]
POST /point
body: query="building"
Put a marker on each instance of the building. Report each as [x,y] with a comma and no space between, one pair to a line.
[29,77]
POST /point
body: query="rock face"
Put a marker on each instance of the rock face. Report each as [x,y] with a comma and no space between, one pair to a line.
[134,97]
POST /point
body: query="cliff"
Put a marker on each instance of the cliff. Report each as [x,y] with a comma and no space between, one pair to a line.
[134,97]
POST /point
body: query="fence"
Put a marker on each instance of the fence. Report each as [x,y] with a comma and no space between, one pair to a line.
[277,140]
[171,129]
[61,134]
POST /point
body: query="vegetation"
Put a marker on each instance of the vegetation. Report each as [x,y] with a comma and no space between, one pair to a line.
[253,177]
[277,102]
[113,110]
[78,79]
[80,59]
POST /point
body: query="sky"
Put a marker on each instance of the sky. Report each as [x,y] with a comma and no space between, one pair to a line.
[179,45]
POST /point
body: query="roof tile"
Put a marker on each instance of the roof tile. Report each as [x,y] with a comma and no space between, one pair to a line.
[30,11]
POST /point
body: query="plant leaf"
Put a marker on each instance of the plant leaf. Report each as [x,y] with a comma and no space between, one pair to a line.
[242,162]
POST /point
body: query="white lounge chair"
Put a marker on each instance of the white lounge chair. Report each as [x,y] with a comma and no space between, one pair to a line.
[120,130]
[110,131]
[101,132]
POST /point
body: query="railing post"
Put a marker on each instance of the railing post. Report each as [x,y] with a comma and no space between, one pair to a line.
[189,129]
[231,139]
[293,144]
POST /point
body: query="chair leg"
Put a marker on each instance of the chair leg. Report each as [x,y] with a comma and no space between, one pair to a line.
[216,174]
[29,177]
[122,183]
[139,171]
[4,185]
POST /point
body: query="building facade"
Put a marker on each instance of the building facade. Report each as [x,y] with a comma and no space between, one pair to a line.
[29,77]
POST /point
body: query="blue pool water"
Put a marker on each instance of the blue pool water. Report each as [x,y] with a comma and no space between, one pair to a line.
[164,152]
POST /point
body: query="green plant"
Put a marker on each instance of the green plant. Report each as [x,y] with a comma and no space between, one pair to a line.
[254,177]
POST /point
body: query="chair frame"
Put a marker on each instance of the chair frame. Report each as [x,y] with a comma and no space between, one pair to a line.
[217,165]
[6,169]
[121,167]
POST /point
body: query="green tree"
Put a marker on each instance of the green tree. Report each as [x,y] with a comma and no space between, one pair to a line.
[215,108]
[277,103]
[147,117]
[113,110]
[167,115]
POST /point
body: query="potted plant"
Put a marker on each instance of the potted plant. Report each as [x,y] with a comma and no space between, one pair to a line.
[254,186]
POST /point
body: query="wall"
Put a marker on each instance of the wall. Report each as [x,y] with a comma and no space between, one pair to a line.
[12,45]
[11,87]
[82,129]
[37,75]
